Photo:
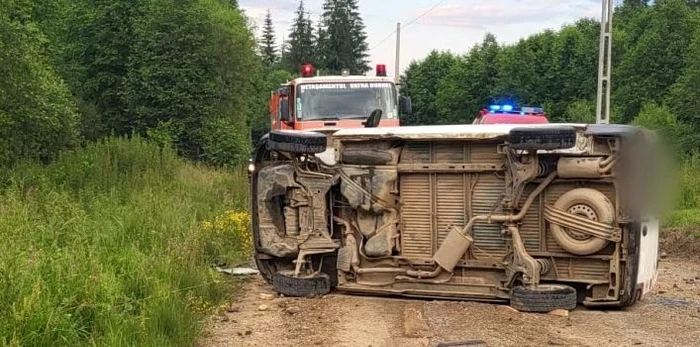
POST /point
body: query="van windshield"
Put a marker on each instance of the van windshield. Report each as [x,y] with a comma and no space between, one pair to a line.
[345,100]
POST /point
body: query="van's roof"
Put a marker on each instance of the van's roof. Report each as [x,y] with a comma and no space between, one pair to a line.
[458,132]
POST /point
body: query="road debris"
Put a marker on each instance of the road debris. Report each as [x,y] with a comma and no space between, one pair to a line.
[238,271]
[461,343]
[560,313]
[506,308]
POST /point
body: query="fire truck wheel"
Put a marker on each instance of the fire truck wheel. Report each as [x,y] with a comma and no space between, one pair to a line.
[316,284]
[588,203]
[544,298]
[297,142]
[549,138]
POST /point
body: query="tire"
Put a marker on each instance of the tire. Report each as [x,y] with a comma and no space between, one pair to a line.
[267,268]
[367,157]
[297,142]
[549,138]
[285,283]
[545,298]
[591,204]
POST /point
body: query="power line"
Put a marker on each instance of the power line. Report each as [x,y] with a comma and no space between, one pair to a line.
[412,21]
[383,40]
[425,13]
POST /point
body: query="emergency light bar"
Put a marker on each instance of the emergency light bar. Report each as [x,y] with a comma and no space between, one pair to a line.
[512,109]
[531,110]
[504,108]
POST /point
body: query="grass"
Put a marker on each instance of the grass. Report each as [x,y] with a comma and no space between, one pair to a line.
[687,215]
[113,245]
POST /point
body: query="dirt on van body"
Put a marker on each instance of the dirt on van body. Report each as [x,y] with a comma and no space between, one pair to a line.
[669,317]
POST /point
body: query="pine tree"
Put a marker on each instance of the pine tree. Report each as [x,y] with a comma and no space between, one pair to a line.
[301,43]
[284,50]
[320,38]
[359,38]
[344,41]
[635,3]
[268,51]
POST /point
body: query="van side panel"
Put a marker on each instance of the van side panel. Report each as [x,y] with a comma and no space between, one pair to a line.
[648,256]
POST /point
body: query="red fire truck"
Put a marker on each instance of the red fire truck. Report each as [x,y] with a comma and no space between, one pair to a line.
[328,103]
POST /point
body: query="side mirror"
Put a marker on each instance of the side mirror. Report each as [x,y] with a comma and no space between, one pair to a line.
[405,105]
[374,119]
[284,110]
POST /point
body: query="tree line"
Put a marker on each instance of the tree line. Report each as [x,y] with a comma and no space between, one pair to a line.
[655,78]
[338,40]
[187,74]
[184,73]
[192,75]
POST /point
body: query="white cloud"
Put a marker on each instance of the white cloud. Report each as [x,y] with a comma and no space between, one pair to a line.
[256,9]
[490,14]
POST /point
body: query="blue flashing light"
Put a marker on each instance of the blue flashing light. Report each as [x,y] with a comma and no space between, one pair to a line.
[509,108]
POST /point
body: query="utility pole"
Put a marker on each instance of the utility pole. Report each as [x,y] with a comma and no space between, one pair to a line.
[397,70]
[602,115]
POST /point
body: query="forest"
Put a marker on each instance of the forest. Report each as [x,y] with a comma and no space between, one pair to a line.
[655,78]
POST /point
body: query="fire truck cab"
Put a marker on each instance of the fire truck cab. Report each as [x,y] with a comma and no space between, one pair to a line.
[329,103]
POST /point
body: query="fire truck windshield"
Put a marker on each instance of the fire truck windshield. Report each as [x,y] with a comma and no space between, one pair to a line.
[317,101]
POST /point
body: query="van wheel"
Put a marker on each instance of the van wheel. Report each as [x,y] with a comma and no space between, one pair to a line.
[297,142]
[316,284]
[267,268]
[549,138]
[544,298]
[588,203]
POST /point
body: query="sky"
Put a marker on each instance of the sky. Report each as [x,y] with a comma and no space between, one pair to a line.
[444,25]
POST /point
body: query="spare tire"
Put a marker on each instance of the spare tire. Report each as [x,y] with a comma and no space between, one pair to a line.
[543,298]
[589,203]
[299,142]
[367,157]
[542,138]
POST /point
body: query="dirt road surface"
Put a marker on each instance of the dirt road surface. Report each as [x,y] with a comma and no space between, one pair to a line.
[671,317]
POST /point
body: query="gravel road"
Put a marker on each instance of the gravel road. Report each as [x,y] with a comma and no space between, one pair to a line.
[670,317]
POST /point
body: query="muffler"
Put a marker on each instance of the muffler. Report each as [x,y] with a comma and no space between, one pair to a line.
[452,249]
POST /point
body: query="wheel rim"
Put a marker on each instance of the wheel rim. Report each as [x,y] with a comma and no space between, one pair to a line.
[585,211]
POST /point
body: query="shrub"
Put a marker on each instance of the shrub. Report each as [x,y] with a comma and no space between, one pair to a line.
[106,247]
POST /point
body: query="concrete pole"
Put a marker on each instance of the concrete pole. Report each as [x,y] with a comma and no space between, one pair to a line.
[397,70]
[604,64]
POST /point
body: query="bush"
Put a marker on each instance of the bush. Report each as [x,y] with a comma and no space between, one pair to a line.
[109,246]
[38,117]
[581,111]
[659,118]
[690,183]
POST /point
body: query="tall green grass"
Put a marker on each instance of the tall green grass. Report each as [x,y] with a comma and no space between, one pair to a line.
[687,215]
[106,247]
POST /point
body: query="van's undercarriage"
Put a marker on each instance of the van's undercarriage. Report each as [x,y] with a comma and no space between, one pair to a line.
[488,219]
